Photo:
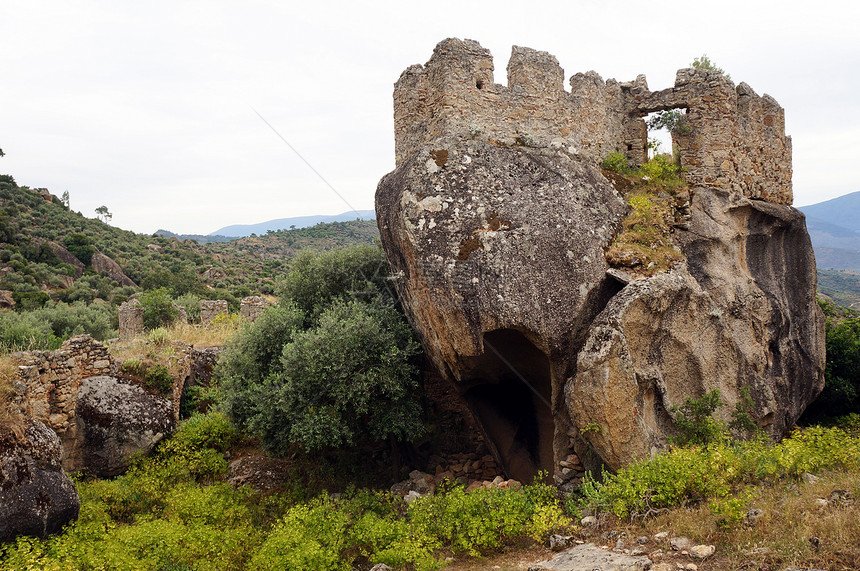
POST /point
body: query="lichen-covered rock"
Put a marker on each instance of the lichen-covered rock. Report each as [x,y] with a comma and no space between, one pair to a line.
[105,265]
[497,221]
[36,496]
[501,256]
[740,313]
[116,420]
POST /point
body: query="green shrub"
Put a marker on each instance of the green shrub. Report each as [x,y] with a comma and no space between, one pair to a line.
[695,422]
[29,300]
[716,472]
[315,280]
[158,378]
[81,247]
[158,308]
[616,162]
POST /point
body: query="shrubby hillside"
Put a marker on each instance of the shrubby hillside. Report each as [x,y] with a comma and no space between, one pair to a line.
[65,274]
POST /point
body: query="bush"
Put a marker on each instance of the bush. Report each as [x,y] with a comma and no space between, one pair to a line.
[691,475]
[158,308]
[316,280]
[332,376]
[695,422]
[841,393]
[81,246]
[158,379]
[616,162]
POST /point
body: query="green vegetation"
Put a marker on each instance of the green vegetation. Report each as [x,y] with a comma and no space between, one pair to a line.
[158,308]
[704,62]
[841,286]
[841,393]
[331,365]
[644,244]
[46,252]
[169,511]
[673,120]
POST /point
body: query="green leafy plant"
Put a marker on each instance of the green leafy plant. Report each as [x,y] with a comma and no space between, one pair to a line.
[158,378]
[704,62]
[616,162]
[695,421]
[158,308]
[673,120]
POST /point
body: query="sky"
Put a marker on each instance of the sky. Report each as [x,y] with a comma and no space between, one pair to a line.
[181,115]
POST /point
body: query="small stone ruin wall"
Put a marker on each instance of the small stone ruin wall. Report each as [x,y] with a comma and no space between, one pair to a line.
[734,139]
[251,307]
[50,381]
[212,308]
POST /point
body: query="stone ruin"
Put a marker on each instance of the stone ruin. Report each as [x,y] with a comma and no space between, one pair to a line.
[735,140]
[212,308]
[251,307]
[130,315]
[497,219]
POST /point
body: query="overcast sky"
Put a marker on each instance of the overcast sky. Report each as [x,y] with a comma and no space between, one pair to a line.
[149,107]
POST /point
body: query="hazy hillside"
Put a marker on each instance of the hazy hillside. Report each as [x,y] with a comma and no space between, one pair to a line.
[841,286]
[841,211]
[46,251]
[287,223]
[834,227]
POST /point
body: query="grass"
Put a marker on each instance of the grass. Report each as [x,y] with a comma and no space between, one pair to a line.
[8,374]
[644,246]
[158,343]
[706,493]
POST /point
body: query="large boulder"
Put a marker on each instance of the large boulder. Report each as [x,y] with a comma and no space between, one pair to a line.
[37,498]
[498,224]
[501,252]
[116,420]
[741,312]
[105,265]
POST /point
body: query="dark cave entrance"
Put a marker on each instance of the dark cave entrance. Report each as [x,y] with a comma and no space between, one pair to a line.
[511,393]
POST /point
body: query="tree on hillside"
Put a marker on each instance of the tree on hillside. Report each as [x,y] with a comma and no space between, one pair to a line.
[104,214]
[331,365]
[81,246]
[2,154]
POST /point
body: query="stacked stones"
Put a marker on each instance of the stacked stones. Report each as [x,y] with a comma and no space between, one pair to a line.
[130,319]
[464,467]
[212,308]
[736,139]
[570,471]
[251,307]
[50,381]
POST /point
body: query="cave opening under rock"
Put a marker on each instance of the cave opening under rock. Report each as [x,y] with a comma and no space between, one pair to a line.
[510,391]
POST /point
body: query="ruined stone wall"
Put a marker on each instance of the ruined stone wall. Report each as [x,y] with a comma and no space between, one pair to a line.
[50,380]
[212,308]
[454,96]
[130,315]
[736,139]
[251,307]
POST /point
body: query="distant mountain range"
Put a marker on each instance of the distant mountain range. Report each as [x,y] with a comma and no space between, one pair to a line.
[834,226]
[241,230]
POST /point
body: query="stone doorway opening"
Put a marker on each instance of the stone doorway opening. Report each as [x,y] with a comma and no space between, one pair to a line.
[665,129]
[511,394]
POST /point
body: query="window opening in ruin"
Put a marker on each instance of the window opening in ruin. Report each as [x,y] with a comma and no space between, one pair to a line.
[663,131]
[480,84]
[511,399]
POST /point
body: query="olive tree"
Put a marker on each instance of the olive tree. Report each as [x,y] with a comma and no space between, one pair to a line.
[330,366]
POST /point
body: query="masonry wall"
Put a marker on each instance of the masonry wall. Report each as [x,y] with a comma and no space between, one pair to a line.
[51,380]
[736,139]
